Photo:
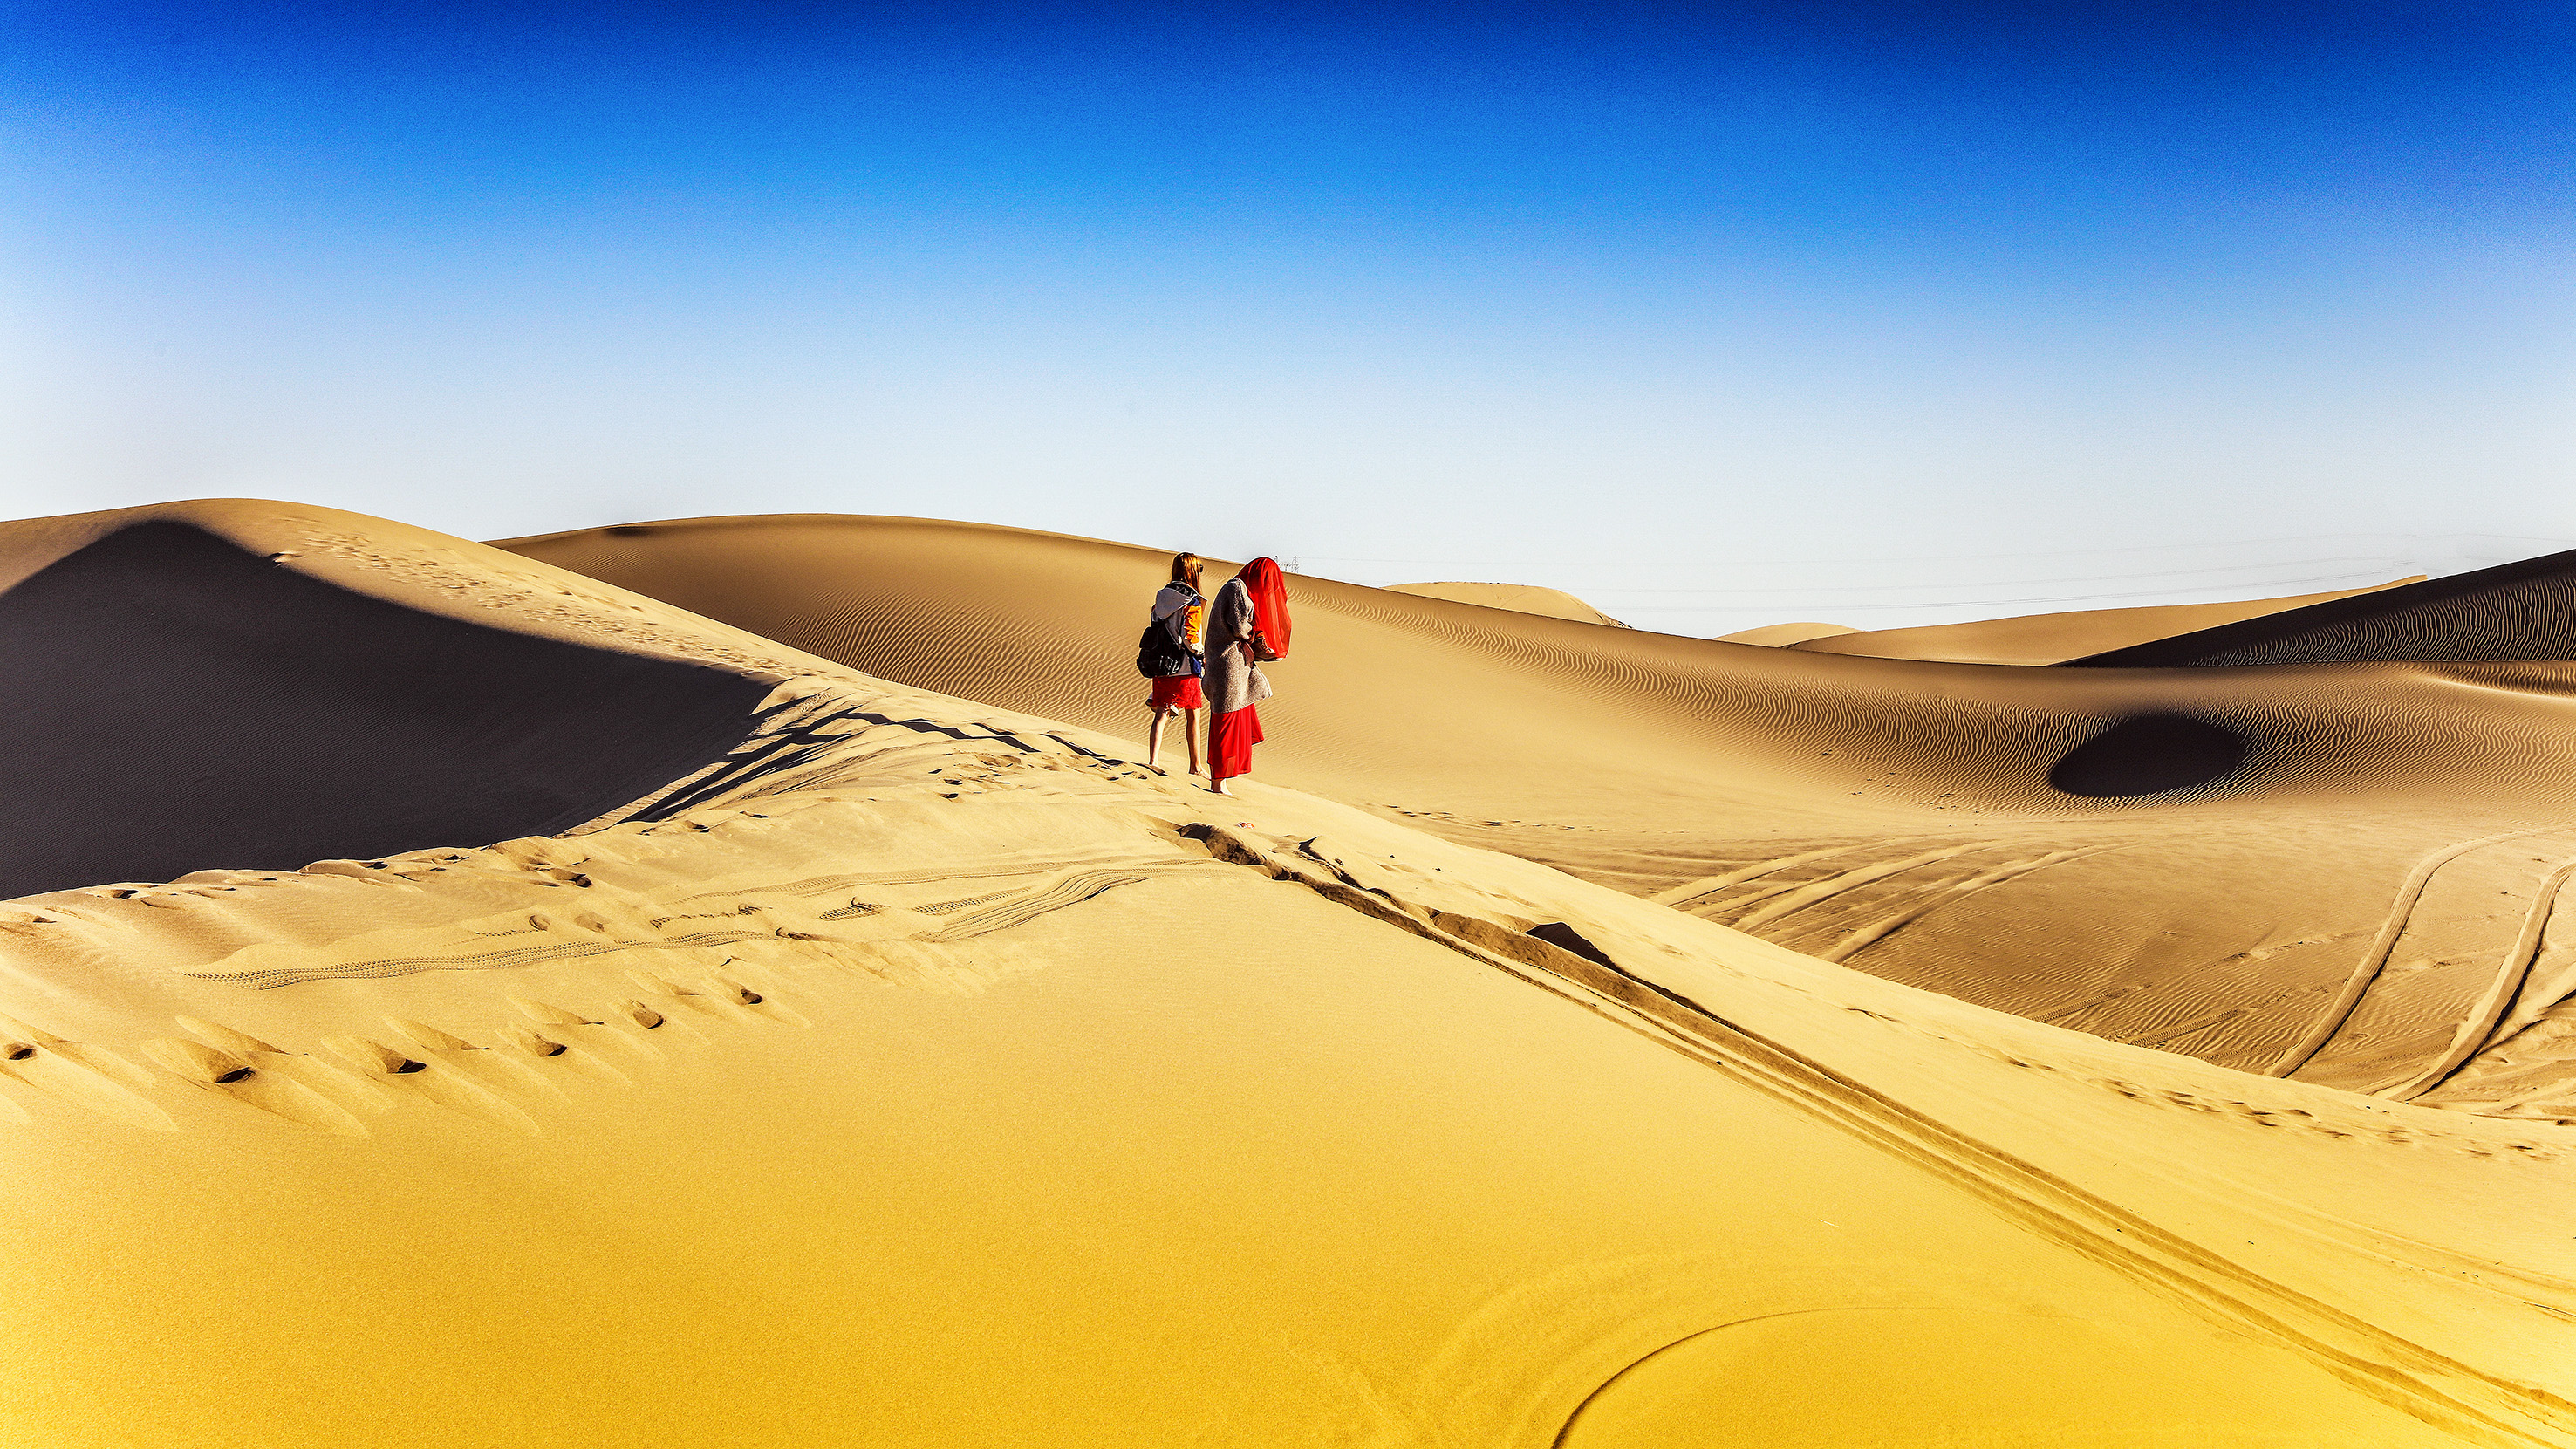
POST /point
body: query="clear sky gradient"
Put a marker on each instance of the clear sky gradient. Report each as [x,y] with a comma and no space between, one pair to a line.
[1718,315]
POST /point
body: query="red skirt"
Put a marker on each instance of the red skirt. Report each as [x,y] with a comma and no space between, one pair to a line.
[1230,742]
[1179,691]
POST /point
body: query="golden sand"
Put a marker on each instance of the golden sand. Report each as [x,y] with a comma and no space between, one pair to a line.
[2049,638]
[1520,598]
[938,1076]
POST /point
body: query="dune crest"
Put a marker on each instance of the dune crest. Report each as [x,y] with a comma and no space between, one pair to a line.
[1519,598]
[1780,636]
[2518,611]
[262,718]
[2056,638]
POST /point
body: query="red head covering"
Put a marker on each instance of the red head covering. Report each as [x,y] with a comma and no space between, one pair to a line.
[1269,590]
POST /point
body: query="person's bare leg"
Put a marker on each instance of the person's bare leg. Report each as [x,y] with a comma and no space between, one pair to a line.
[1154,740]
[1191,729]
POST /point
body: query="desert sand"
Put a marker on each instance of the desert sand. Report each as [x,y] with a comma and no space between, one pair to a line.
[910,1067]
[1782,635]
[2048,638]
[1520,598]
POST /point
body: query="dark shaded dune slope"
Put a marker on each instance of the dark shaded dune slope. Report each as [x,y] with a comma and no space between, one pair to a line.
[2515,611]
[177,704]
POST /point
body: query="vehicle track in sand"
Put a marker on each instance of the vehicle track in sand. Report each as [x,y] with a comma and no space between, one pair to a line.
[2406,918]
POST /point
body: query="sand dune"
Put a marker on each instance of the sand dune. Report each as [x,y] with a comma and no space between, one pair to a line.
[2524,610]
[2299,861]
[1520,598]
[925,1072]
[1781,635]
[2054,638]
[262,718]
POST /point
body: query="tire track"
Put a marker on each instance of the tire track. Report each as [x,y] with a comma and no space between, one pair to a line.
[2375,960]
[2479,1025]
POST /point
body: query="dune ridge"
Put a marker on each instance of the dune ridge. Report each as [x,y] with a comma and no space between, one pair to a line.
[260,718]
[2521,611]
[1782,635]
[2056,638]
[1520,598]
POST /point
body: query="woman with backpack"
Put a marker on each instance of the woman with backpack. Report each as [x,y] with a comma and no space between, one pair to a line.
[1247,625]
[1169,655]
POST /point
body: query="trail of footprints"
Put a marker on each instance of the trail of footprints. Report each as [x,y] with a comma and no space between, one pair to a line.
[368,1076]
[490,1078]
[822,741]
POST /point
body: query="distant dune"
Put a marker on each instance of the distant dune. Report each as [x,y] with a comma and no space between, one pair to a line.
[1782,635]
[1520,598]
[902,1068]
[2524,610]
[2054,638]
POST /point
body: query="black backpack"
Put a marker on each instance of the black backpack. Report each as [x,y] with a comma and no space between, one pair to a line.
[1159,654]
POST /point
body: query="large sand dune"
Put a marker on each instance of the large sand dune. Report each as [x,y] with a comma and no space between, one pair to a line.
[2522,610]
[924,1072]
[2341,871]
[2054,638]
[260,717]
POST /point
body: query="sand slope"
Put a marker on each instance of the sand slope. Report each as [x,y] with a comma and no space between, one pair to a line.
[1782,635]
[1520,598]
[937,1076]
[2355,887]
[260,717]
[2054,638]
[2524,610]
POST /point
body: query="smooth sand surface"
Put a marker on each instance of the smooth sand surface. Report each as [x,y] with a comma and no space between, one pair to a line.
[2052,638]
[1520,598]
[926,1072]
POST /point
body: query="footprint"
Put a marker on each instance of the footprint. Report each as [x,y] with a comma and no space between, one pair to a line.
[497,1070]
[761,1003]
[227,1075]
[702,997]
[433,1075]
[546,1051]
[303,1068]
[83,1075]
[578,1030]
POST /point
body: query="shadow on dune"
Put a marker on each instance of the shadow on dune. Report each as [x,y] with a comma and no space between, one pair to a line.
[2149,754]
[177,704]
[2523,611]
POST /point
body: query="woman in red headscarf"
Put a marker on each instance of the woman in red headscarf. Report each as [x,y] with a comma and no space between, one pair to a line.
[1247,625]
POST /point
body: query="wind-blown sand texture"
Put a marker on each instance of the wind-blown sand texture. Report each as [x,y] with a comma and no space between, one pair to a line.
[921,1071]
[2053,638]
[1520,598]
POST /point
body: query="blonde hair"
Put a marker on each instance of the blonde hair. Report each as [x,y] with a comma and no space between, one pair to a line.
[1188,568]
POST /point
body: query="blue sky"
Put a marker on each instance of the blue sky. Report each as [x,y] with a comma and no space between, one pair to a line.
[1719,315]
